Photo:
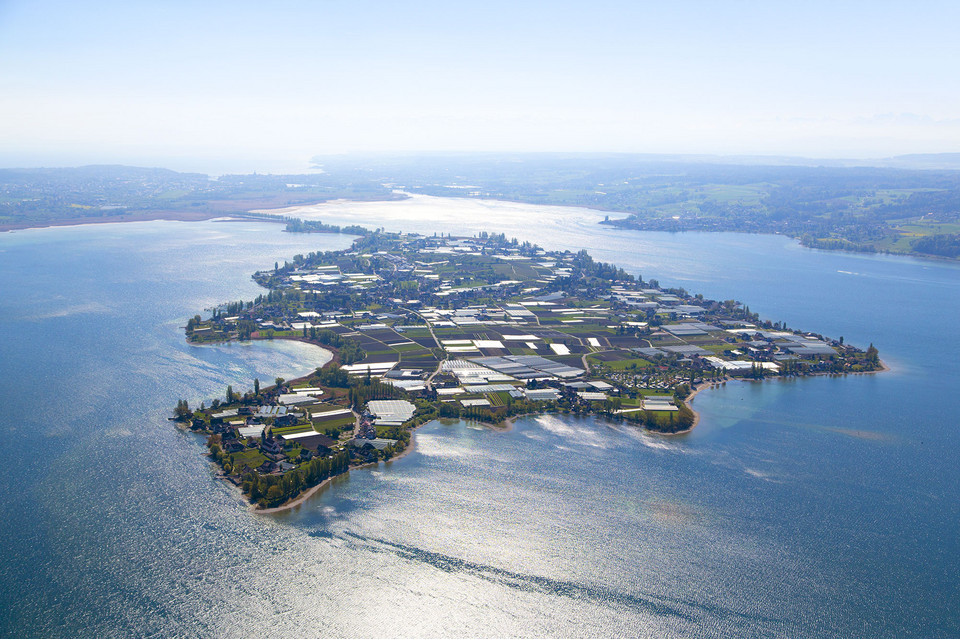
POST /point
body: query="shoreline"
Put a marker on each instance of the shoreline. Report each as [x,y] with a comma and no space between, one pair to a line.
[280,211]
[297,501]
[281,310]
[505,426]
[884,368]
[249,209]
[167,216]
[687,402]
[313,490]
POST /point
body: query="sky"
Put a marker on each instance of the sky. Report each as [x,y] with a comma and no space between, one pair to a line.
[267,85]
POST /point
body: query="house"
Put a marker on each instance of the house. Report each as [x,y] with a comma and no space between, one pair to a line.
[271,446]
[378,443]
[233,446]
[366,453]
[285,420]
[267,467]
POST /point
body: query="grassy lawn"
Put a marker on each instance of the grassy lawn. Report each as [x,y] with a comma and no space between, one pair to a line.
[717,348]
[388,432]
[653,392]
[251,458]
[277,333]
[627,364]
[347,420]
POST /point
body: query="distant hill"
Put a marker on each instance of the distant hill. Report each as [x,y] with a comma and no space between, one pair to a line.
[930,161]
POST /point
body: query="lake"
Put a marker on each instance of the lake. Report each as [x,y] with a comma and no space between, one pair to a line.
[809,507]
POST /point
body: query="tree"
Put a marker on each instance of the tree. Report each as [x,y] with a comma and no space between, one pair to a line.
[182,411]
[256,386]
[229,394]
[274,494]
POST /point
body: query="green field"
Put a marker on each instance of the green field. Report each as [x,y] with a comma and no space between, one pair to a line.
[288,430]
[347,420]
[621,365]
[251,458]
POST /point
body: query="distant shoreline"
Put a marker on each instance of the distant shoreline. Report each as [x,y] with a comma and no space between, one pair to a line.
[227,210]
[169,216]
[236,215]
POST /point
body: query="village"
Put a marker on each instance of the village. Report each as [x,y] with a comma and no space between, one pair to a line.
[480,328]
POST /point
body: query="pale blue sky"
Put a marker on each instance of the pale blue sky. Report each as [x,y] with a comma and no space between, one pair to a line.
[269,84]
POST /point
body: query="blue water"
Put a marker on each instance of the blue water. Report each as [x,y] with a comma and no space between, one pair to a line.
[812,507]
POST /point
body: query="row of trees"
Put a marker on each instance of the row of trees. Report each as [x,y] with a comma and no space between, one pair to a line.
[268,491]
[296,225]
[947,245]
[601,270]
[663,422]
[349,350]
[370,388]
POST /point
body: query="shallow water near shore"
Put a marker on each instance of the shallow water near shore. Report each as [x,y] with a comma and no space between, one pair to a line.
[807,507]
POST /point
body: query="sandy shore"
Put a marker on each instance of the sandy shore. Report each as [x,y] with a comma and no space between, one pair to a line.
[304,496]
[689,400]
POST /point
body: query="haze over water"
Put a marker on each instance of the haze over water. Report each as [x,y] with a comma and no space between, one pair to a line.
[816,507]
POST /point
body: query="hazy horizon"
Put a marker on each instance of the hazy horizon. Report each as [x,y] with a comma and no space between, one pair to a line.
[247,87]
[295,166]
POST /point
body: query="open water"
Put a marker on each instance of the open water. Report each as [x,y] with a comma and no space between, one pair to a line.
[822,507]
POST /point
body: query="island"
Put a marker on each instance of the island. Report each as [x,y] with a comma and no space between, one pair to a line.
[480,328]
